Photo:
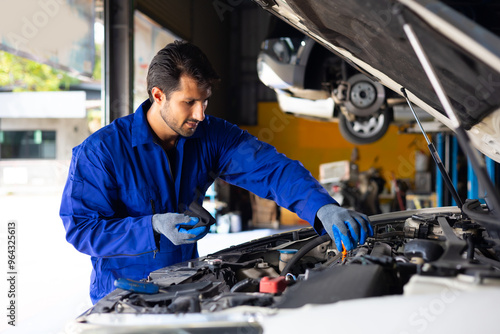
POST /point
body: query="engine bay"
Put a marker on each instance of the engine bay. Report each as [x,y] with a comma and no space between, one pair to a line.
[293,269]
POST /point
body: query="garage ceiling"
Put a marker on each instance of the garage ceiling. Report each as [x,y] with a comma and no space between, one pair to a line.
[176,15]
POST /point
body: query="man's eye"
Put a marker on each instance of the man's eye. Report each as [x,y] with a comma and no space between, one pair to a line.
[189,102]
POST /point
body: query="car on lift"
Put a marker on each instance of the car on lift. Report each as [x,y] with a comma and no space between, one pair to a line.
[430,270]
[312,82]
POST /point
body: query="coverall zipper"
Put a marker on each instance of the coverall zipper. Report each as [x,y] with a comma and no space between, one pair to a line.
[157,242]
[169,172]
[170,169]
[152,206]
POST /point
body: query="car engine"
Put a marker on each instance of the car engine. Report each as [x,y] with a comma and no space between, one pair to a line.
[409,251]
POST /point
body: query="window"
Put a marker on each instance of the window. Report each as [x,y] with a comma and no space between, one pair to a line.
[35,144]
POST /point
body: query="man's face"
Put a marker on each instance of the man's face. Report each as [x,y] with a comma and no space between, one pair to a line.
[186,107]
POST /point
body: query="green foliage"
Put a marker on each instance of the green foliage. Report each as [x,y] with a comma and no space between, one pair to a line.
[96,74]
[21,74]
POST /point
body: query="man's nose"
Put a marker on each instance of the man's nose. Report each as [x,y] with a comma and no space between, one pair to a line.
[199,111]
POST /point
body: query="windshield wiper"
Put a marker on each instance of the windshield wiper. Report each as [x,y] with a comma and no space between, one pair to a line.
[491,197]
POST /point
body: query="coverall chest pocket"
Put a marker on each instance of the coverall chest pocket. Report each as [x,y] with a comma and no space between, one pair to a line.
[136,201]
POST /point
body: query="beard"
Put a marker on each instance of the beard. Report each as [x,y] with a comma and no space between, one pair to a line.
[180,127]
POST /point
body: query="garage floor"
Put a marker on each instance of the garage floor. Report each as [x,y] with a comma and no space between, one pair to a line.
[53,277]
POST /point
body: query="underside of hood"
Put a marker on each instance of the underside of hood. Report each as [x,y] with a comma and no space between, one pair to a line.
[464,50]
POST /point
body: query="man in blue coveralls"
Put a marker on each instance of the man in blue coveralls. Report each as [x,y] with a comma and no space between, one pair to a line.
[130,182]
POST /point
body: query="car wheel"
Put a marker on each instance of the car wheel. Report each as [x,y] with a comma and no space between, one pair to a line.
[364,130]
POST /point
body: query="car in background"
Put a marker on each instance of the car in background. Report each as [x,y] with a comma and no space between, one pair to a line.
[313,82]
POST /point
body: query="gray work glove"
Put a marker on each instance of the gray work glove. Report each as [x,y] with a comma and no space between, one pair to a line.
[344,226]
[175,226]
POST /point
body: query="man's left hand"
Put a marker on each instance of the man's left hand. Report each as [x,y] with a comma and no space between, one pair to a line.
[345,226]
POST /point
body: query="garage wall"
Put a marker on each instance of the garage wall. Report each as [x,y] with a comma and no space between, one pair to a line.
[316,142]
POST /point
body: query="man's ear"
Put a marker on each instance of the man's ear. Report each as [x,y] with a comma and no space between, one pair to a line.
[158,95]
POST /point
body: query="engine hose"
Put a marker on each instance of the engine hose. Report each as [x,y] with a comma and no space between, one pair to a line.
[242,285]
[303,251]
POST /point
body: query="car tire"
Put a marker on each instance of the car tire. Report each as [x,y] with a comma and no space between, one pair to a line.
[364,130]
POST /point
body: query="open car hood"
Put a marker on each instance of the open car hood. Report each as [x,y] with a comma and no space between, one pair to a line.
[465,52]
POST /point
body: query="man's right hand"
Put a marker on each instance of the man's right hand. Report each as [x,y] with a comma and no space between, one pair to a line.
[342,225]
[173,226]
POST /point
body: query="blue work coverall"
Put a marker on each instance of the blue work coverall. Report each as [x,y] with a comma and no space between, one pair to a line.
[119,178]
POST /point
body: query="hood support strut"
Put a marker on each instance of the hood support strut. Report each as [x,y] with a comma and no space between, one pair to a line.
[435,156]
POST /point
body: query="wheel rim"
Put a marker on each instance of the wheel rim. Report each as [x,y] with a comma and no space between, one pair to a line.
[367,128]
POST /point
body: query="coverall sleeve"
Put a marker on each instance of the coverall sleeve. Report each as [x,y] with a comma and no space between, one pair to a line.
[259,168]
[94,220]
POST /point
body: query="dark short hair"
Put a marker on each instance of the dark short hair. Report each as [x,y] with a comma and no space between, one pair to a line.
[173,61]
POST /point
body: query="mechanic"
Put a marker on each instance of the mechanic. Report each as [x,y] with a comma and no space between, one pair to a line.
[130,183]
